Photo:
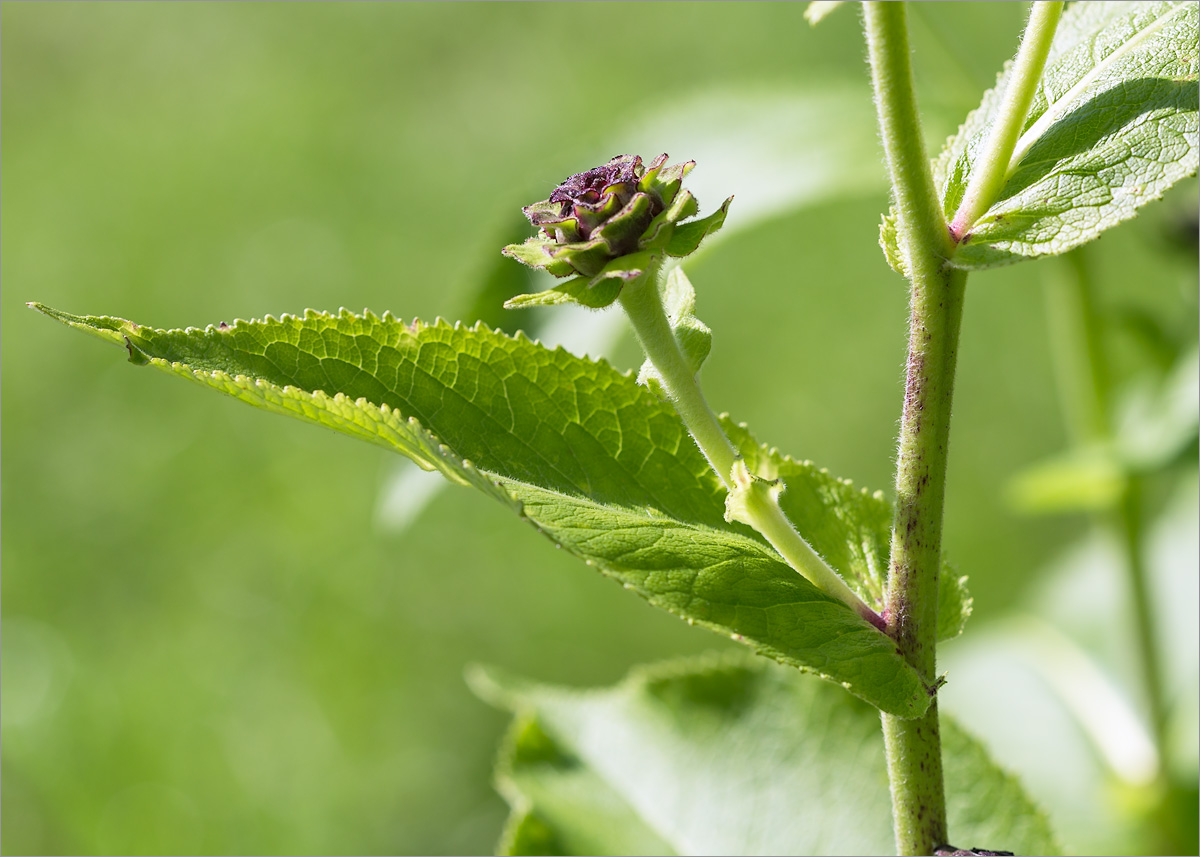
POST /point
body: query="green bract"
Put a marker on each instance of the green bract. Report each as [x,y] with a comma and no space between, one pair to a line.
[609,227]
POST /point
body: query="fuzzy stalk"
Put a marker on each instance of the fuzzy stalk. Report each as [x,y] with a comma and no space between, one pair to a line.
[913,747]
[752,501]
[643,306]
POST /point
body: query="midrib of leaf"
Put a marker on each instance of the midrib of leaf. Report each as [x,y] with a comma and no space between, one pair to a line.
[1055,111]
[405,394]
[530,450]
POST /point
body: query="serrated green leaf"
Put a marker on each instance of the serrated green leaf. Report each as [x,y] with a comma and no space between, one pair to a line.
[731,755]
[1113,125]
[687,237]
[889,242]
[593,460]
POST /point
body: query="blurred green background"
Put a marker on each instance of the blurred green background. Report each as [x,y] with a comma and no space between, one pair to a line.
[210,642]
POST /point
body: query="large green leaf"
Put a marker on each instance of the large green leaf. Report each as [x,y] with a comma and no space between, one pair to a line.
[726,755]
[1113,125]
[591,458]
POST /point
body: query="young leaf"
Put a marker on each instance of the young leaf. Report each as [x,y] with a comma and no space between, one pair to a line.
[1113,125]
[592,459]
[819,10]
[726,755]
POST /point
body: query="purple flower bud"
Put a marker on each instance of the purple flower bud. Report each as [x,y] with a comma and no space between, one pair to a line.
[597,218]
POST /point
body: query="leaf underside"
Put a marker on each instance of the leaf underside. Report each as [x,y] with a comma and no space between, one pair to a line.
[592,459]
[725,755]
[1113,125]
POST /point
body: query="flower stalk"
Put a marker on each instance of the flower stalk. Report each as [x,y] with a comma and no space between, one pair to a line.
[610,229]
[751,500]
[644,308]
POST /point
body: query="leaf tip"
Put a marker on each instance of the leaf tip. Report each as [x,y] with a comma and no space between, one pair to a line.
[493,685]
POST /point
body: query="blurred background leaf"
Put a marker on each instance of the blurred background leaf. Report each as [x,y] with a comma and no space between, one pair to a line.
[248,664]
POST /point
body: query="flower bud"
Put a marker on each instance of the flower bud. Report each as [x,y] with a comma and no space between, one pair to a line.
[609,227]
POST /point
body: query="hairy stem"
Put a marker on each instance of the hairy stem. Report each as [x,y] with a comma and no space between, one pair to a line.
[993,166]
[751,500]
[644,307]
[913,747]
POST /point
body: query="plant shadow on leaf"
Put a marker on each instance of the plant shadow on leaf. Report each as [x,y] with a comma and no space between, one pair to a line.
[1094,121]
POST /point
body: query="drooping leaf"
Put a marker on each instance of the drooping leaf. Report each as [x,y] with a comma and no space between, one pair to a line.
[1113,125]
[727,755]
[592,459]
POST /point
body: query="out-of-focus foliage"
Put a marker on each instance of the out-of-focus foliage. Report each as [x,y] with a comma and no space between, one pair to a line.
[208,646]
[725,756]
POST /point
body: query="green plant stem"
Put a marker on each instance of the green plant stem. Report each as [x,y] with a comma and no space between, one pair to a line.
[1129,526]
[1085,385]
[756,504]
[994,164]
[1081,370]
[913,747]
[643,305]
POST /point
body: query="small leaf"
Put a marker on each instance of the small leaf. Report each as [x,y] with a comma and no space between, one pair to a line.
[578,290]
[687,236]
[730,755]
[596,462]
[889,242]
[626,226]
[1088,479]
[1112,127]
[535,252]
[819,10]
